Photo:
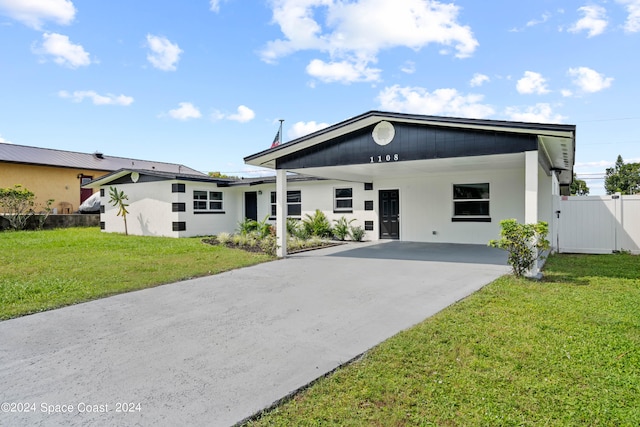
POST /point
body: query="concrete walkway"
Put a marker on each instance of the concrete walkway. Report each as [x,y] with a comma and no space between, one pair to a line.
[215,350]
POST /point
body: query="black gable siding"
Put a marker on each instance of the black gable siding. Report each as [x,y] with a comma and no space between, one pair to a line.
[411,142]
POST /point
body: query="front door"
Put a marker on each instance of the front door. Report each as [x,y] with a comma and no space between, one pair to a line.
[389,214]
[85,193]
[251,205]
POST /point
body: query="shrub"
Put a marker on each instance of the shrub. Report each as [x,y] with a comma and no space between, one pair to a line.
[524,242]
[224,238]
[295,229]
[269,245]
[341,229]
[357,233]
[17,205]
[317,224]
[248,226]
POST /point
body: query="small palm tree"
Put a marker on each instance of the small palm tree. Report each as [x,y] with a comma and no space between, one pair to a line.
[117,198]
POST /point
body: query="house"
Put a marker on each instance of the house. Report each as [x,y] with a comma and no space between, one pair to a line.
[400,176]
[60,175]
[434,179]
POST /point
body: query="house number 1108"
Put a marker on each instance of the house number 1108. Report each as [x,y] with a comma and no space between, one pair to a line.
[384,158]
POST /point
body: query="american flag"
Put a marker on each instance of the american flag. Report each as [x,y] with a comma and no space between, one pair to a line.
[276,140]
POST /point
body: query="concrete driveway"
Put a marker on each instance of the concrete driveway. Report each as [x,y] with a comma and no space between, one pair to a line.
[216,350]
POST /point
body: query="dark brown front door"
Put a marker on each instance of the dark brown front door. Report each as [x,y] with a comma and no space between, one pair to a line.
[85,193]
[389,214]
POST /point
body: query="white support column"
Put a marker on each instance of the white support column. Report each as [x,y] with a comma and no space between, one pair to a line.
[531,195]
[281,212]
[531,187]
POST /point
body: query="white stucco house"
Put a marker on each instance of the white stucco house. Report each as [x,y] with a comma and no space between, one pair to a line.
[401,176]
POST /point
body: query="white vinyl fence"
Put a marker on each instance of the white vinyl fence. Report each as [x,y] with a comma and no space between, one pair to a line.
[599,224]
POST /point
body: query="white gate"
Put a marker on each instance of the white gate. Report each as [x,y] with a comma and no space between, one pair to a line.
[599,224]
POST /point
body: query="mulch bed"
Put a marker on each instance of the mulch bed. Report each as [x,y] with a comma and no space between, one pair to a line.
[258,249]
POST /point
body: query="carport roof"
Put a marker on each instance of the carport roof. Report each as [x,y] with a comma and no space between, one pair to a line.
[555,141]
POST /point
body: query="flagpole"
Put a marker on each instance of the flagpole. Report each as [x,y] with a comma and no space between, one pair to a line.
[281,139]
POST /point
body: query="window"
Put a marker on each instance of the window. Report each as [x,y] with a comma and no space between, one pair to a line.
[343,200]
[178,207]
[207,201]
[294,203]
[179,226]
[178,188]
[368,205]
[368,225]
[368,186]
[102,192]
[471,202]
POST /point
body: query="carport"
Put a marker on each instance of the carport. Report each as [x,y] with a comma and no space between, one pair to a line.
[434,179]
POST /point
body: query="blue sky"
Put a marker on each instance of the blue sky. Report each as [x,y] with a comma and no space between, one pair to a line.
[204,82]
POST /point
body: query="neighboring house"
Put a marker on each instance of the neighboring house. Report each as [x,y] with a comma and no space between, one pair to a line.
[400,176]
[60,175]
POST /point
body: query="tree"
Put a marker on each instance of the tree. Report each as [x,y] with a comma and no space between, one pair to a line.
[578,187]
[623,178]
[16,205]
[117,199]
[222,175]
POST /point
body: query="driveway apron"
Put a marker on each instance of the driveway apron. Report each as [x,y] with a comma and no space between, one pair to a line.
[218,349]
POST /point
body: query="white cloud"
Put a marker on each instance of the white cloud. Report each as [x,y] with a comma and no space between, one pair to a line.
[566,93]
[545,17]
[343,72]
[244,114]
[446,102]
[594,20]
[305,128]
[539,113]
[632,24]
[97,99]
[214,5]
[185,111]
[4,141]
[34,13]
[478,80]
[355,32]
[532,82]
[409,67]
[164,55]
[589,80]
[63,51]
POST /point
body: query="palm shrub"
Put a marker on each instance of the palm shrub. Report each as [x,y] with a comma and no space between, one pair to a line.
[525,243]
[296,229]
[117,199]
[341,228]
[317,224]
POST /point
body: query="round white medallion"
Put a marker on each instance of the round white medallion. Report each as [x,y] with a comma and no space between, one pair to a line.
[383,133]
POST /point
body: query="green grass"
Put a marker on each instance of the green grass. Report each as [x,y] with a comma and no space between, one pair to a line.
[41,270]
[564,351]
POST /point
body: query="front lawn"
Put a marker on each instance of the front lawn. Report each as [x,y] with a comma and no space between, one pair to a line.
[564,351]
[41,270]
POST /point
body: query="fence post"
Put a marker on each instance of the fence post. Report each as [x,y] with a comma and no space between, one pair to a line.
[617,209]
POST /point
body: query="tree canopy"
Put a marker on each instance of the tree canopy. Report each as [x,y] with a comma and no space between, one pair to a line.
[578,187]
[623,178]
